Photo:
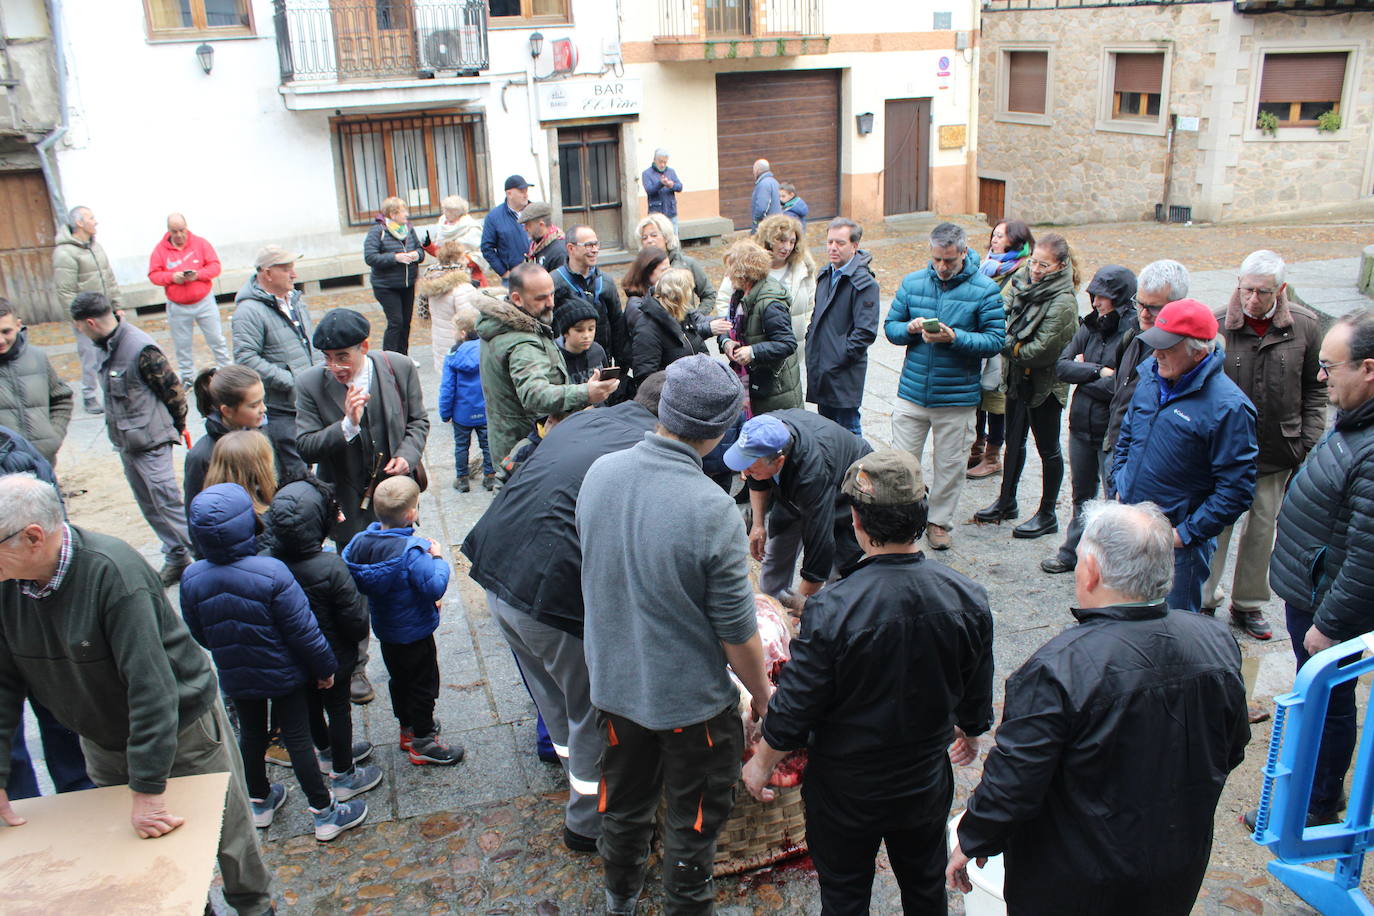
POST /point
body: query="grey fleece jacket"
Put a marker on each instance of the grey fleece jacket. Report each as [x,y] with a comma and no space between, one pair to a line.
[665,578]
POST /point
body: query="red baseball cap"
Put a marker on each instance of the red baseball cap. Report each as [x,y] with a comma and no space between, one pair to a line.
[1179,320]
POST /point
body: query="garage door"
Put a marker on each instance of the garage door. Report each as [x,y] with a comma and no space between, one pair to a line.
[790,118]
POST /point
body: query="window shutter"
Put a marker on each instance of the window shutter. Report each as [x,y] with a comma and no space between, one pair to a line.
[1026,72]
[1139,72]
[1303,77]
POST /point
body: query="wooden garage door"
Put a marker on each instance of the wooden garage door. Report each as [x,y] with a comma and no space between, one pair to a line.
[27,234]
[790,118]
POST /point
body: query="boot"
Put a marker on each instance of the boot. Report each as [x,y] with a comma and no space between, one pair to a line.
[991,464]
[975,454]
[1038,525]
[996,513]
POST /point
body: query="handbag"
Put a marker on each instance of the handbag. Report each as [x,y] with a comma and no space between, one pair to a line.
[418,472]
[991,379]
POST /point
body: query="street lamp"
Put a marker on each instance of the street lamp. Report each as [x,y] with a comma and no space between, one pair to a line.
[206,55]
[536,44]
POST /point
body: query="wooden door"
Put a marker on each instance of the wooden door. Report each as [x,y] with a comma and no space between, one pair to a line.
[27,234]
[992,199]
[373,38]
[792,119]
[589,179]
[906,156]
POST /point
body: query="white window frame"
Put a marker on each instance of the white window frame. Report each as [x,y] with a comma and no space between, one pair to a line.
[1004,74]
[1107,89]
[1354,61]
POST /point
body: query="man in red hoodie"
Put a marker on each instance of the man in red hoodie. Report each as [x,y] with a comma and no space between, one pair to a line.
[185,264]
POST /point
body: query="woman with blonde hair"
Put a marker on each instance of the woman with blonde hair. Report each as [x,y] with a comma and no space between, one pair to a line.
[791,265]
[757,337]
[393,252]
[666,330]
[445,286]
[657,230]
[244,457]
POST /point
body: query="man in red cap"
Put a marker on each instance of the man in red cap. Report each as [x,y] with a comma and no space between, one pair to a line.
[1187,443]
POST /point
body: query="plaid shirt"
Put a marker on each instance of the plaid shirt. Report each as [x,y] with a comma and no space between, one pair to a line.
[64,560]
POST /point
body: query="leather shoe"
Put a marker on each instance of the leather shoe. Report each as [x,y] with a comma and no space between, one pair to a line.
[1253,623]
[577,842]
[937,537]
[996,513]
[1038,525]
[171,571]
[1055,565]
[360,688]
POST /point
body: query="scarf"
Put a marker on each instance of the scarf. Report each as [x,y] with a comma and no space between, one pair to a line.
[399,230]
[996,265]
[445,231]
[551,235]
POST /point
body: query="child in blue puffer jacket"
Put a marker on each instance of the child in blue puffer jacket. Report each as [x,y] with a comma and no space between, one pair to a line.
[461,401]
[404,577]
[254,618]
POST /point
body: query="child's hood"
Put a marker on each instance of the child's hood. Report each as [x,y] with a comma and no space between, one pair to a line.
[223,524]
[377,557]
[298,519]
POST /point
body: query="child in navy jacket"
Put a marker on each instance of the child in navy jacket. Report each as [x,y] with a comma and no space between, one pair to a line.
[404,577]
[255,620]
[461,401]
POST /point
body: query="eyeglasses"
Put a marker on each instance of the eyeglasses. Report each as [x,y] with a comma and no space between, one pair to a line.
[586,244]
[1044,265]
[1253,291]
[1322,366]
[12,534]
[1142,307]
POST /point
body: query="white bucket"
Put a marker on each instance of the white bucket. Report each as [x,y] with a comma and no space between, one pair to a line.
[986,897]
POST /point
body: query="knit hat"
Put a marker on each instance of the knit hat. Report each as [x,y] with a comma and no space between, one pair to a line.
[570,312]
[701,398]
[340,329]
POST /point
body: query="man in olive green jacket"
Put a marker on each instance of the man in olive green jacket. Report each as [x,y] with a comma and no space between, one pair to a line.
[79,265]
[524,378]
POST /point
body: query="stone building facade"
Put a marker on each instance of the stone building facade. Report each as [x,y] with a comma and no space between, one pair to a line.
[1159,104]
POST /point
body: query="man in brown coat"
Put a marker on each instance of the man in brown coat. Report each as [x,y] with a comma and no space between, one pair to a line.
[1271,354]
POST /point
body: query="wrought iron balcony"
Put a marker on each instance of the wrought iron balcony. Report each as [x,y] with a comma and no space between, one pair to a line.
[722,29]
[369,40]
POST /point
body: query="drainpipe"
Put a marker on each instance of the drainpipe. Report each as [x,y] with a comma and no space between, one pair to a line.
[45,145]
[533,104]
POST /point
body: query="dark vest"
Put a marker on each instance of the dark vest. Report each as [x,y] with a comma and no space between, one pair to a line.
[134,417]
[772,386]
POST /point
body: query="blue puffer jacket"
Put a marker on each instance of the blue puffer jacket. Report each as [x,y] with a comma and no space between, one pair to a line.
[1191,451]
[947,375]
[460,390]
[246,609]
[403,582]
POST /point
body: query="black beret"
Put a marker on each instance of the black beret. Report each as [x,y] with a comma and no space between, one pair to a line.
[340,329]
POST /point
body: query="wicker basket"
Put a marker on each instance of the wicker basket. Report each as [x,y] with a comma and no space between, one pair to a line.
[759,834]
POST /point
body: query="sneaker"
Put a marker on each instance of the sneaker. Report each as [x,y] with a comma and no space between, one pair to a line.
[264,809]
[355,783]
[361,751]
[360,688]
[577,842]
[171,571]
[428,750]
[408,736]
[1253,623]
[937,537]
[277,755]
[338,817]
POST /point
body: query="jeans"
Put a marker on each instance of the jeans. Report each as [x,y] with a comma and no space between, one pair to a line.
[848,417]
[462,441]
[1087,469]
[1192,566]
[993,426]
[1043,422]
[414,670]
[182,321]
[398,305]
[61,752]
[293,715]
[1339,736]
[331,722]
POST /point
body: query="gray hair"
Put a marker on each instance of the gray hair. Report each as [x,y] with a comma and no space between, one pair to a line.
[74,214]
[1157,276]
[1263,263]
[25,500]
[1201,346]
[947,234]
[1133,546]
[660,153]
[856,232]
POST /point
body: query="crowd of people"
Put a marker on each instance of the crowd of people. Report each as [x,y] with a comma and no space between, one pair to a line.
[635,473]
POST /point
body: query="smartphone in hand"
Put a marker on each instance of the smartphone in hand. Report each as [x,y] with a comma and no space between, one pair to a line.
[930,325]
[611,373]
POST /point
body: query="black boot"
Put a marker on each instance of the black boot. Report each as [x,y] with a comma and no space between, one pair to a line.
[996,513]
[1038,525]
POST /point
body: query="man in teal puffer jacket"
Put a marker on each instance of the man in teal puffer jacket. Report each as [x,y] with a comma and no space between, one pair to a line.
[939,388]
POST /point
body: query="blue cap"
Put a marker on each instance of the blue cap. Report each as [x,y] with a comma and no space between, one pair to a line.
[761,437]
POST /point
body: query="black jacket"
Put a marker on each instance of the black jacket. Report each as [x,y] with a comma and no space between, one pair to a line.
[301,515]
[600,290]
[379,251]
[536,509]
[809,488]
[1323,558]
[1116,739]
[198,458]
[843,326]
[1101,340]
[1122,387]
[889,660]
[660,339]
[553,255]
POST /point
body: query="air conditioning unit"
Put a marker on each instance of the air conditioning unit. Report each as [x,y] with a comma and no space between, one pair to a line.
[442,49]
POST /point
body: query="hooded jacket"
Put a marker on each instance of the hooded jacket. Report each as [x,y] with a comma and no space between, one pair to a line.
[460,386]
[82,267]
[446,288]
[34,401]
[1190,450]
[659,339]
[523,375]
[247,609]
[197,254]
[947,375]
[380,248]
[298,521]
[271,344]
[402,580]
[843,327]
[1100,340]
[1041,319]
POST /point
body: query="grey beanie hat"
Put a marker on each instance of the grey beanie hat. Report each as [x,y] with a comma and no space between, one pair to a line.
[701,398]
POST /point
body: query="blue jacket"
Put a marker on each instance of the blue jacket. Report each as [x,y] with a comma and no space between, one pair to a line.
[947,375]
[662,198]
[246,609]
[1191,450]
[460,390]
[403,582]
[764,201]
[797,209]
[504,240]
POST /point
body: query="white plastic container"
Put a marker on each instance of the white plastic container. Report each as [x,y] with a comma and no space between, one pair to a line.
[986,897]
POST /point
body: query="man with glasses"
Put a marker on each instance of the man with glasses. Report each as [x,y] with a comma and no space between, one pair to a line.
[580,278]
[1271,353]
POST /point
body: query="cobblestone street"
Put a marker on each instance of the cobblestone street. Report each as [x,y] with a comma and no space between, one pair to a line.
[484,837]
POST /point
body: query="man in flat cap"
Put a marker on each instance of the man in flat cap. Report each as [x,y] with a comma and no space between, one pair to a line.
[890,679]
[548,248]
[271,327]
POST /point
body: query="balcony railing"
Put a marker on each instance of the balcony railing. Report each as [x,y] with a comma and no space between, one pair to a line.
[733,20]
[379,39]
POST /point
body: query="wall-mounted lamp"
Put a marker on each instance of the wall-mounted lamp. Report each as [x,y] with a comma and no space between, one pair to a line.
[865,122]
[536,44]
[206,55]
